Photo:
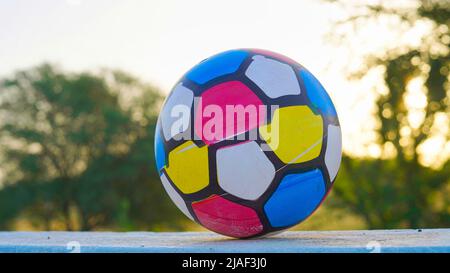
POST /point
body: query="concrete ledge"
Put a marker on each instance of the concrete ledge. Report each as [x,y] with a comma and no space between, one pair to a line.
[427,240]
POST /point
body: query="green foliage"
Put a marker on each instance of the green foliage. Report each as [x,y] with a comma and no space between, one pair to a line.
[78,149]
[398,190]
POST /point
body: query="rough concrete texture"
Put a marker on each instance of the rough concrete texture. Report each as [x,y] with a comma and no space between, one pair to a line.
[427,240]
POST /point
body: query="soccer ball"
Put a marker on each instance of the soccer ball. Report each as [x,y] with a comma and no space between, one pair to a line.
[248,143]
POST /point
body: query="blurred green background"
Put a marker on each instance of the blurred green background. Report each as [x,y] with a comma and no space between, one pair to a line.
[76,145]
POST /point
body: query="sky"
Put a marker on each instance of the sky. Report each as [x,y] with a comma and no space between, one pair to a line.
[160,40]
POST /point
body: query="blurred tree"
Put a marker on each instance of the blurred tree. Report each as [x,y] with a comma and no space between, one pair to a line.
[402,188]
[78,149]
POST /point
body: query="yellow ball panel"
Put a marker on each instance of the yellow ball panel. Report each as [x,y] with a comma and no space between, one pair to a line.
[188,167]
[295,134]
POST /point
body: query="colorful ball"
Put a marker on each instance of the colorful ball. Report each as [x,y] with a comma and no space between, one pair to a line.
[248,143]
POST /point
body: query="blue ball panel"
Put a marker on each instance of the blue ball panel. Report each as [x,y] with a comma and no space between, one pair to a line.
[160,154]
[317,94]
[222,64]
[295,198]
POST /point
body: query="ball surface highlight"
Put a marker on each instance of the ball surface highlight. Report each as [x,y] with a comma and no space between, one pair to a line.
[248,143]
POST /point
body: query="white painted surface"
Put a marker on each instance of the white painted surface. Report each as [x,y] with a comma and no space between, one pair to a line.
[176,198]
[333,154]
[362,241]
[244,170]
[276,79]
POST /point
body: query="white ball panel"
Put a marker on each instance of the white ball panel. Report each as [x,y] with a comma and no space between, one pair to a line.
[181,96]
[244,170]
[333,153]
[276,79]
[176,198]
